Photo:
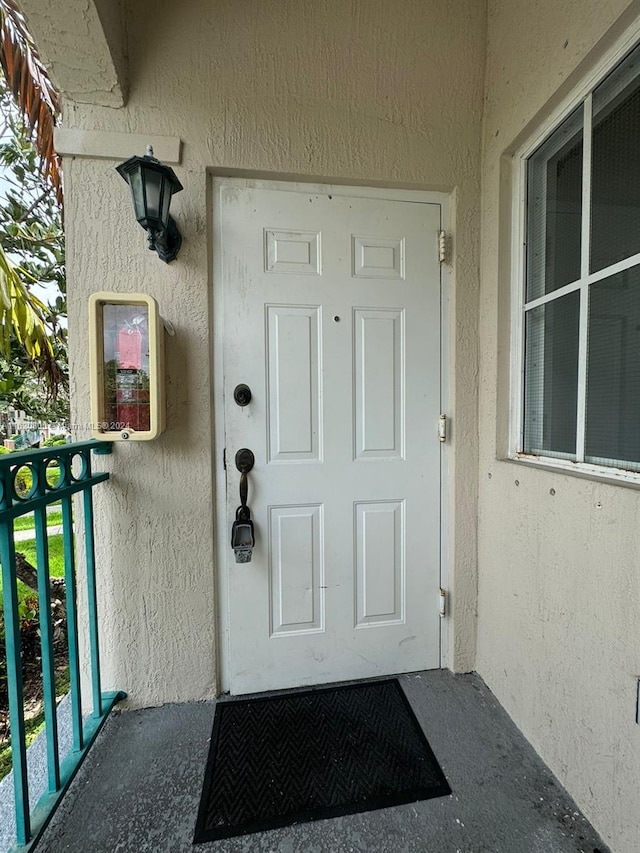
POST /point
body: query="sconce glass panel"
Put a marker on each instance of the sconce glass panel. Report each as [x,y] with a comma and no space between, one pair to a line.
[137,194]
[153,187]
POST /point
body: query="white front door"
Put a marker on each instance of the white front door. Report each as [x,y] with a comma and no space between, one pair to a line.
[329,306]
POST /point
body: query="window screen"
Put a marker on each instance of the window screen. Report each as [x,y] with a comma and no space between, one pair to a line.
[554,210]
[551,381]
[613,371]
[615,171]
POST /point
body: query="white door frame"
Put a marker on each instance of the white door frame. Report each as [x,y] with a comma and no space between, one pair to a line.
[221,534]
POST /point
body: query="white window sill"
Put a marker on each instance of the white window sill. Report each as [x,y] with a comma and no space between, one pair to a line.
[600,473]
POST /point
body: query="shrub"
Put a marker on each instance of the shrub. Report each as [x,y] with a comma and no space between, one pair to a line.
[24,479]
[30,640]
[54,441]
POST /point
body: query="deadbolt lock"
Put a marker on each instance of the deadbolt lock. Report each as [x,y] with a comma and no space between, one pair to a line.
[242,395]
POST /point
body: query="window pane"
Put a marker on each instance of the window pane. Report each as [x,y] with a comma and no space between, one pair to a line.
[551,377]
[554,209]
[615,194]
[613,372]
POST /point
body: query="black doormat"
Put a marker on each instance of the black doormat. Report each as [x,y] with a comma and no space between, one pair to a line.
[279,760]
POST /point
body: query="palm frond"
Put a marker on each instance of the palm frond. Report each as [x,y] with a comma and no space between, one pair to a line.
[24,315]
[32,90]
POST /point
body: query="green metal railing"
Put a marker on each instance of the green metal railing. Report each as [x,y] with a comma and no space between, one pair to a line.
[29,482]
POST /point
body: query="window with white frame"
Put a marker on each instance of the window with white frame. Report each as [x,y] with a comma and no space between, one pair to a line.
[581,305]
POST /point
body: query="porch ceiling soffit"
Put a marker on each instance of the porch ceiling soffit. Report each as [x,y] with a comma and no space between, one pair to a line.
[81,42]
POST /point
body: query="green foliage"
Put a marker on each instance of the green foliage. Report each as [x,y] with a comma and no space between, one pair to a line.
[27,601]
[35,96]
[54,441]
[25,595]
[28,614]
[22,386]
[33,334]
[24,480]
[28,609]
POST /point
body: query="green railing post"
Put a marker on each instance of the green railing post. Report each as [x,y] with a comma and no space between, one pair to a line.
[15,502]
[46,636]
[72,620]
[92,598]
[14,667]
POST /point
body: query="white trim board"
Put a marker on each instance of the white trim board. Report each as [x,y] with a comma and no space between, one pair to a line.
[108,145]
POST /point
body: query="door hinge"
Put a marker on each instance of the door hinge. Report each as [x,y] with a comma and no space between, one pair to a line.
[442,428]
[443,247]
[442,599]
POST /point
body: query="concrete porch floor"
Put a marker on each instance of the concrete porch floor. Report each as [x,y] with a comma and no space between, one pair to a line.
[138,790]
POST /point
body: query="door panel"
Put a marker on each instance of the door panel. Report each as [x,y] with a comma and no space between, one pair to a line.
[296,569]
[379,383]
[293,383]
[380,566]
[331,315]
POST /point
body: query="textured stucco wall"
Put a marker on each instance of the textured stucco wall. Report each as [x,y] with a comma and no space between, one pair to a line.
[382,91]
[559,584]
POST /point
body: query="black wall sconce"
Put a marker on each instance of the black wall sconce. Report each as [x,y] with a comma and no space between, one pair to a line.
[152,186]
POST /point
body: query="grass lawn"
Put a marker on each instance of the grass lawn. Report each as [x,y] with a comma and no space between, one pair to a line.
[56,555]
[28,522]
[56,561]
[35,723]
